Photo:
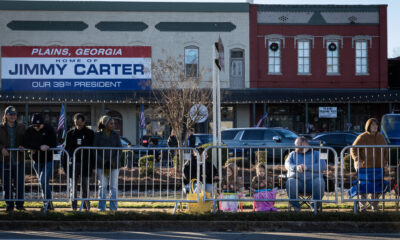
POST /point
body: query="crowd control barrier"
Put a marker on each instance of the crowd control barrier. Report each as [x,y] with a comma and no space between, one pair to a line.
[369,175]
[324,175]
[28,175]
[134,174]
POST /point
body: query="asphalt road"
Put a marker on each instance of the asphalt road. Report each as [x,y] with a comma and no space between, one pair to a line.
[191,235]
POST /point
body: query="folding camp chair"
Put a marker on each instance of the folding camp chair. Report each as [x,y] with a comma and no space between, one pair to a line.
[370,180]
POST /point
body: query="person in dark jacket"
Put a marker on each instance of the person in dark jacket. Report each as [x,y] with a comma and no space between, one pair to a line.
[191,139]
[107,162]
[80,136]
[190,171]
[40,137]
[12,162]
[172,140]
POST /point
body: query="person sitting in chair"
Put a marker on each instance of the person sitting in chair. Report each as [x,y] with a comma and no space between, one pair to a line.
[304,173]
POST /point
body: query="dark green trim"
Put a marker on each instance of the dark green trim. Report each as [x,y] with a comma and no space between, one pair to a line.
[319,8]
[47,25]
[195,26]
[122,26]
[123,6]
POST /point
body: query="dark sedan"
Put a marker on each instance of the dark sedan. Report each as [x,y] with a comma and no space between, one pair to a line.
[336,140]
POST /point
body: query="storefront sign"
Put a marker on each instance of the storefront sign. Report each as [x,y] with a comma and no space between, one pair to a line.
[327,112]
[75,68]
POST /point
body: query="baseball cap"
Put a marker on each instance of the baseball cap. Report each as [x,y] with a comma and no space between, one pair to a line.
[10,110]
[37,118]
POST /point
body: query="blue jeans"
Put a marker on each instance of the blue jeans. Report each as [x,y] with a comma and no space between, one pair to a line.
[295,187]
[44,170]
[112,176]
[14,182]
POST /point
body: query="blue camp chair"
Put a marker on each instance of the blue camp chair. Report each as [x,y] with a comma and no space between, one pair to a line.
[370,180]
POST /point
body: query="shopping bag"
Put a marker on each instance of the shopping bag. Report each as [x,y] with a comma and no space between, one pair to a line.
[201,206]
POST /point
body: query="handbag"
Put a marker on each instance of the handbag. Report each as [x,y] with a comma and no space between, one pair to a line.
[201,206]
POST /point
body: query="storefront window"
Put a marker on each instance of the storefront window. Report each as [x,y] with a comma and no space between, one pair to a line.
[286,116]
[327,117]
[51,113]
[360,113]
[156,125]
[227,118]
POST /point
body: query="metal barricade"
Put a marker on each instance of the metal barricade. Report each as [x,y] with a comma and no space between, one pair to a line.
[134,174]
[246,158]
[31,175]
[369,175]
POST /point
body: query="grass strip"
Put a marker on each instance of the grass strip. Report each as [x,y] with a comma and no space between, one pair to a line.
[159,216]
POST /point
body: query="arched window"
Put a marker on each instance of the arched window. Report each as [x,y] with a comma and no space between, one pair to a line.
[191,62]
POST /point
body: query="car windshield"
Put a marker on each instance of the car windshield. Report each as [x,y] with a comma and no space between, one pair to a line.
[207,138]
[229,135]
[286,133]
[391,125]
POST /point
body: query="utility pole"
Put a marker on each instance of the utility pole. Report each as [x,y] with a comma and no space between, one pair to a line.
[219,63]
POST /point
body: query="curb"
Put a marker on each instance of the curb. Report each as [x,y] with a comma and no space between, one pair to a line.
[203,226]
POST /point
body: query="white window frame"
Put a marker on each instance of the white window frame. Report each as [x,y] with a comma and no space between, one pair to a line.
[331,59]
[274,58]
[303,57]
[361,57]
[187,74]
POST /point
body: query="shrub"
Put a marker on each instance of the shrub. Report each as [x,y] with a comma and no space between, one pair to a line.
[148,161]
[127,158]
[240,161]
[224,154]
[260,157]
[346,163]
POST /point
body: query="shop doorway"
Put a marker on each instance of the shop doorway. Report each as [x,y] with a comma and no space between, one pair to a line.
[237,69]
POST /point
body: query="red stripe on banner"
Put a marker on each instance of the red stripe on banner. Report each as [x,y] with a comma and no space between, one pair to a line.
[76,51]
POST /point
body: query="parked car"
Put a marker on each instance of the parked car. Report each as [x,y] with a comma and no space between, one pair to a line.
[125,142]
[390,128]
[336,140]
[202,138]
[148,142]
[264,137]
[148,139]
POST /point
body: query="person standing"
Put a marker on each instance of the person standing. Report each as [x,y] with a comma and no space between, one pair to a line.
[370,158]
[80,136]
[191,139]
[172,140]
[12,162]
[107,162]
[40,137]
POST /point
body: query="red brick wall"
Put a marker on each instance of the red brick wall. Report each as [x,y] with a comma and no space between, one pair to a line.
[377,60]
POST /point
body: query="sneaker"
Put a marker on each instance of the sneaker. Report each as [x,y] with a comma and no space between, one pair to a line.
[295,209]
[319,208]
[50,206]
[86,205]
[10,208]
[21,208]
[375,208]
[74,205]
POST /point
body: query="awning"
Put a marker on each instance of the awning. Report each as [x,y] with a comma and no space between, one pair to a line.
[228,96]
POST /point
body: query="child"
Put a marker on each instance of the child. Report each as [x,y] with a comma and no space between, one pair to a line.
[263,190]
[231,189]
